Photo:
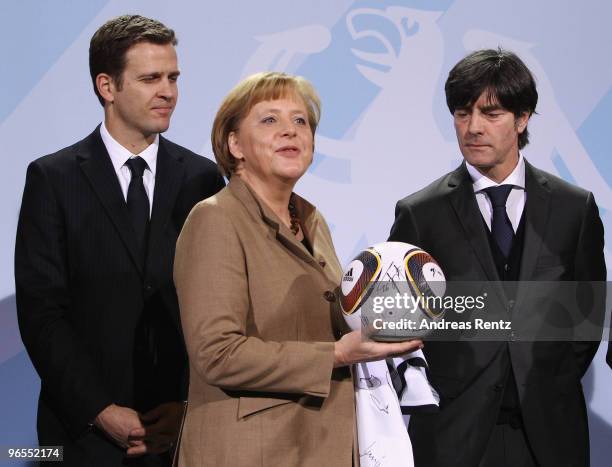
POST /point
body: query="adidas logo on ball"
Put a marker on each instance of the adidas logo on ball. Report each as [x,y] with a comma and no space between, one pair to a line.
[348,276]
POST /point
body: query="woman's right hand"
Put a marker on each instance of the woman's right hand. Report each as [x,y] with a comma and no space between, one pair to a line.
[352,348]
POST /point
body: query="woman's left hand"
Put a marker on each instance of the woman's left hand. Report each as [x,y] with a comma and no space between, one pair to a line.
[352,348]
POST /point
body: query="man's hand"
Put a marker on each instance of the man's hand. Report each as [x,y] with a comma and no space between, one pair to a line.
[159,432]
[351,348]
[117,423]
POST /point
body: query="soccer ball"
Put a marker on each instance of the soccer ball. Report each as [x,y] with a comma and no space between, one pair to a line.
[390,285]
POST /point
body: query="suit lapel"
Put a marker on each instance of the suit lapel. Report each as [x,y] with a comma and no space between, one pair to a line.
[260,211]
[313,230]
[310,229]
[284,235]
[98,168]
[168,175]
[537,209]
[464,203]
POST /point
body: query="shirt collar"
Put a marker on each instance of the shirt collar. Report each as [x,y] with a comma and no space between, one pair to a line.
[516,177]
[119,155]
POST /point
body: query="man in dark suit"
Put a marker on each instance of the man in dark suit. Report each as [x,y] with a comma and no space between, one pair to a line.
[498,218]
[97,308]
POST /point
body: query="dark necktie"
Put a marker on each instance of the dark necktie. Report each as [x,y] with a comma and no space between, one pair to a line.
[138,201]
[501,228]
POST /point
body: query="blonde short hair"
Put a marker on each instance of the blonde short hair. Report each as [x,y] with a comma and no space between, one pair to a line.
[252,90]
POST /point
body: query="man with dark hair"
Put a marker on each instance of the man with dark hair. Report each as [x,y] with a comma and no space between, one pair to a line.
[109,45]
[99,220]
[498,218]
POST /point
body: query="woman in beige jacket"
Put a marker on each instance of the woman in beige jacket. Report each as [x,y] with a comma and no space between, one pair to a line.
[255,272]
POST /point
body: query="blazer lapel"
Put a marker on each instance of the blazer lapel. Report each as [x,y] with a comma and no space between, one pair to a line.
[322,251]
[260,211]
[98,168]
[284,235]
[464,203]
[537,208]
[307,213]
[168,175]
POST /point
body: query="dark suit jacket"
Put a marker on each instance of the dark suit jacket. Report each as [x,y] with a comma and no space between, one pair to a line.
[563,241]
[99,327]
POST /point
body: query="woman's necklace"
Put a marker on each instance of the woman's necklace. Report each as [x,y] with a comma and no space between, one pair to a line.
[294,219]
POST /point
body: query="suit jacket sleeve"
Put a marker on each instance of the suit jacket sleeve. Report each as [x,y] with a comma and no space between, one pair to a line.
[213,290]
[68,375]
[404,227]
[589,265]
[217,184]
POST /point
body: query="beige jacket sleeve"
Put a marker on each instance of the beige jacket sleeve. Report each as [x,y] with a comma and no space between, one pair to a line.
[212,285]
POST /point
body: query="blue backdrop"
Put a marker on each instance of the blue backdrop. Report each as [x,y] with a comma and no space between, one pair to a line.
[380,67]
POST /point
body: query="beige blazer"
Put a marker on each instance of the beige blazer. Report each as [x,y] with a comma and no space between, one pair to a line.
[257,311]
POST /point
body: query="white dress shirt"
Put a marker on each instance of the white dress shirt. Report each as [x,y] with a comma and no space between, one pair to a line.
[120,155]
[516,199]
